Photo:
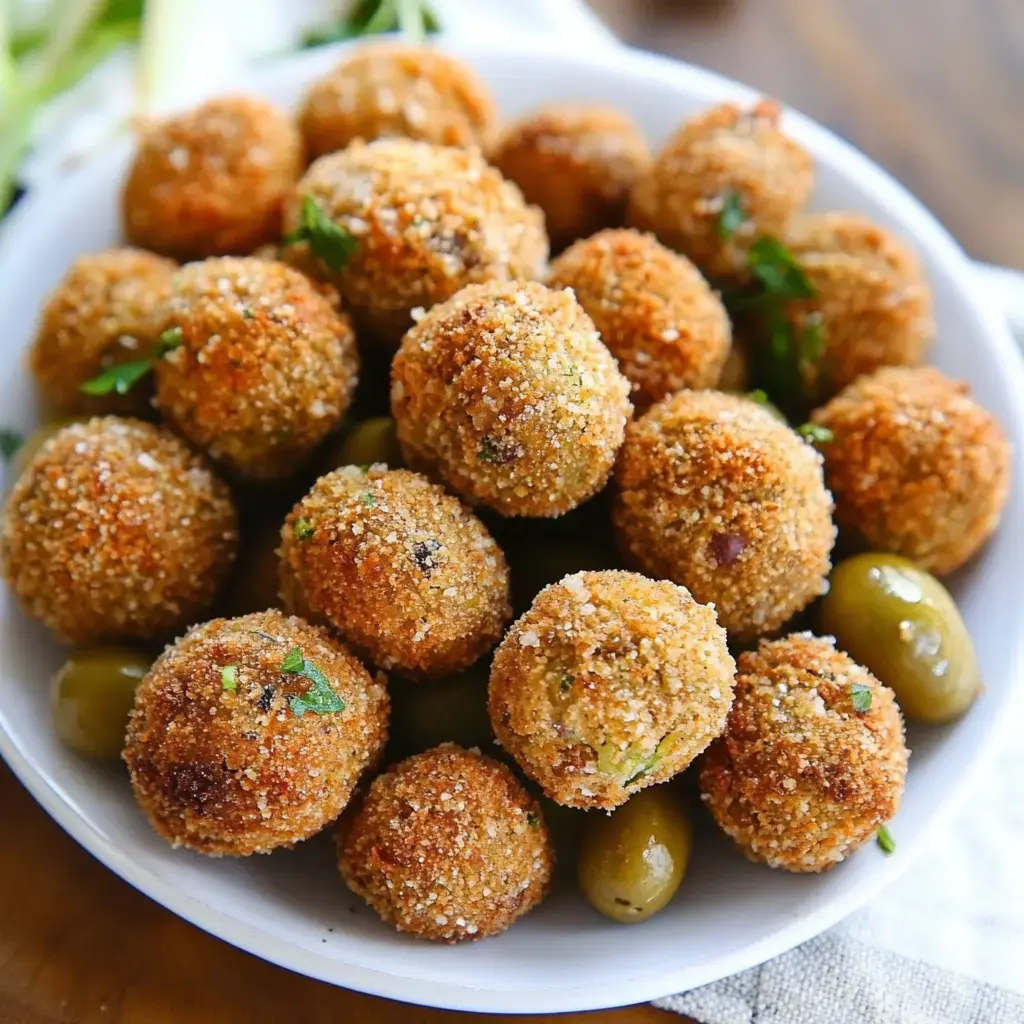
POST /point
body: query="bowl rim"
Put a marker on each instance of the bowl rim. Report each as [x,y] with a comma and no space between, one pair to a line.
[998,343]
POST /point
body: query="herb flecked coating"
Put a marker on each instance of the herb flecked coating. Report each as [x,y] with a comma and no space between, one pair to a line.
[266,366]
[426,219]
[385,90]
[237,771]
[917,467]
[507,393]
[212,181]
[116,531]
[448,847]
[610,682]
[715,493]
[721,154]
[399,568]
[801,777]
[103,313]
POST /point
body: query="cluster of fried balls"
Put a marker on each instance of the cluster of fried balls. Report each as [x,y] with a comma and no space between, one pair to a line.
[418,239]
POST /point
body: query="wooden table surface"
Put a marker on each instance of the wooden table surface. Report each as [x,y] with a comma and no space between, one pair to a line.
[932,89]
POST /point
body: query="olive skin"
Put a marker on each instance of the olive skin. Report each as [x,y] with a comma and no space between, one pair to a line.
[368,442]
[632,861]
[91,696]
[899,622]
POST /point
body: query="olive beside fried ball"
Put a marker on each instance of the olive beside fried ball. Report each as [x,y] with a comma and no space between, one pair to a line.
[103,313]
[872,306]
[654,310]
[424,219]
[448,847]
[577,162]
[116,531]
[211,181]
[611,682]
[399,568]
[249,734]
[264,368]
[716,493]
[813,760]
[506,393]
[724,158]
[916,466]
[387,90]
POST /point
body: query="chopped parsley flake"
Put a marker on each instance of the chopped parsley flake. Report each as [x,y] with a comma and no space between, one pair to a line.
[566,684]
[172,338]
[861,696]
[815,433]
[10,442]
[488,453]
[885,840]
[777,270]
[303,529]
[327,240]
[248,312]
[369,499]
[229,677]
[732,215]
[118,379]
[319,698]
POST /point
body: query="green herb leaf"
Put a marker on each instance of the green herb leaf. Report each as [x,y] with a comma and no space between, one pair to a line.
[10,442]
[861,696]
[229,677]
[885,840]
[566,684]
[759,396]
[172,338]
[327,240]
[303,529]
[118,379]
[732,215]
[248,312]
[370,17]
[815,433]
[776,269]
[319,698]
[369,499]
[292,660]
[488,452]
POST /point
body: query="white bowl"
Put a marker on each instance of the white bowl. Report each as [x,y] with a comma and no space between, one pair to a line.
[291,908]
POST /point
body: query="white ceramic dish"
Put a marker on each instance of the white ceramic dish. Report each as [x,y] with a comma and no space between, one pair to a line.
[291,908]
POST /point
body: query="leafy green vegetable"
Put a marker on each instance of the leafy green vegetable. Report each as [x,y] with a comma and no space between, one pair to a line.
[885,840]
[319,698]
[861,696]
[328,241]
[732,215]
[303,529]
[776,269]
[413,18]
[10,442]
[229,677]
[292,660]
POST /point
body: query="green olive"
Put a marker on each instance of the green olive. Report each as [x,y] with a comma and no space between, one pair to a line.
[34,442]
[901,623]
[254,584]
[632,861]
[369,441]
[91,695]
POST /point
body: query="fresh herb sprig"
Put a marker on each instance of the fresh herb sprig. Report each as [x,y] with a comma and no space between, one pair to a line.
[229,677]
[328,240]
[319,698]
[121,378]
[861,696]
[885,840]
[413,18]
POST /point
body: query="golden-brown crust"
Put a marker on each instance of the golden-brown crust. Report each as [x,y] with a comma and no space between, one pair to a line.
[506,392]
[211,181]
[801,777]
[721,151]
[238,771]
[717,494]
[653,309]
[395,90]
[102,313]
[448,847]
[116,531]
[428,220]
[916,466]
[577,162]
[398,567]
[609,683]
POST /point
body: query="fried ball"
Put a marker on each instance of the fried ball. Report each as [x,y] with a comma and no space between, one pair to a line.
[448,847]
[873,304]
[916,466]
[266,366]
[724,157]
[398,567]
[427,220]
[659,317]
[386,90]
[609,683]
[577,163]
[813,760]
[102,314]
[249,734]
[116,531]
[506,392]
[212,180]
[720,496]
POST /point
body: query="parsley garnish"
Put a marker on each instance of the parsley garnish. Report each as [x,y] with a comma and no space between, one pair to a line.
[488,452]
[732,215]
[248,312]
[229,677]
[369,17]
[776,269]
[120,379]
[319,698]
[759,396]
[861,696]
[885,840]
[566,685]
[815,433]
[172,338]
[328,240]
[10,442]
[303,529]
[369,499]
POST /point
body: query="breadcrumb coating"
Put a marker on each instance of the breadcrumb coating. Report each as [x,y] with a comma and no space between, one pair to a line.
[427,219]
[212,181]
[116,531]
[220,759]
[507,393]
[723,152]
[717,494]
[266,368]
[102,314]
[448,847]
[917,467]
[801,777]
[873,305]
[577,162]
[387,90]
[609,683]
[653,309]
[398,567]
